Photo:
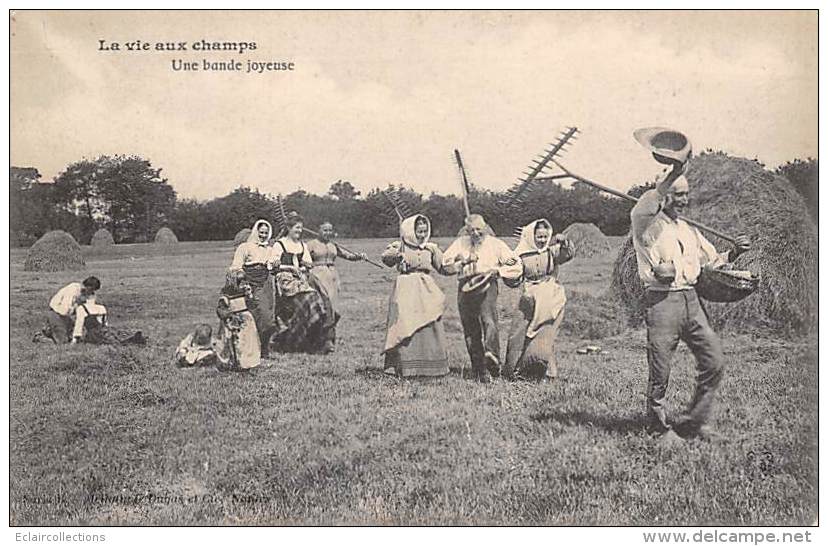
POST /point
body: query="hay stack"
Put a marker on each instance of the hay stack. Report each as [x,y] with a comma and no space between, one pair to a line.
[55,251]
[102,237]
[589,241]
[626,284]
[241,236]
[165,236]
[737,195]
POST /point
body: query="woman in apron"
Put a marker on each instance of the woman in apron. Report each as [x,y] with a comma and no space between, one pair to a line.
[324,252]
[531,349]
[305,316]
[415,340]
[254,258]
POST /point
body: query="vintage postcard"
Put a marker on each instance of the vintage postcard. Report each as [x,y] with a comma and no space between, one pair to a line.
[413,268]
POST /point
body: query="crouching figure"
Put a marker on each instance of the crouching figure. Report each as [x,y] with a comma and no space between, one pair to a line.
[237,346]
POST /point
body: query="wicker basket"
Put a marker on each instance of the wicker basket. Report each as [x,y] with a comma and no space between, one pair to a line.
[477,284]
[725,286]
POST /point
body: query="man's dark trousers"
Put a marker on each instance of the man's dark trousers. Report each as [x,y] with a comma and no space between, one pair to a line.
[478,315]
[673,316]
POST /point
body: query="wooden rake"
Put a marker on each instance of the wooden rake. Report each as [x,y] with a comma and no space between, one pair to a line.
[398,206]
[516,195]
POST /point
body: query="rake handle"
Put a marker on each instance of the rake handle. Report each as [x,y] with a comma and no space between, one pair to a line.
[465,182]
[343,247]
[622,195]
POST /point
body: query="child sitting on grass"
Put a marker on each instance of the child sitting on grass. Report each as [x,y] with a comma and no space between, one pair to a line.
[196,349]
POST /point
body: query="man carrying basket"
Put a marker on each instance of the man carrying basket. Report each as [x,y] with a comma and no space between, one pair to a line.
[671,254]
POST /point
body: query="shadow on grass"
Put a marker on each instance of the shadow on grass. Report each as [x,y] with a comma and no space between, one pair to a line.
[373,373]
[379,373]
[612,423]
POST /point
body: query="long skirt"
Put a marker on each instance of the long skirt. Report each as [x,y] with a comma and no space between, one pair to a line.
[423,354]
[327,282]
[238,345]
[531,358]
[261,305]
[308,324]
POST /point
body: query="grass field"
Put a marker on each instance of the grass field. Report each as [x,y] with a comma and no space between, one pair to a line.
[115,436]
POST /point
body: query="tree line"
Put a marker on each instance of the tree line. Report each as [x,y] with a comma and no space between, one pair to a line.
[129,197]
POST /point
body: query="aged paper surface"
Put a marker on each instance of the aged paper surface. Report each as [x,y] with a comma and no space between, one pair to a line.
[231,116]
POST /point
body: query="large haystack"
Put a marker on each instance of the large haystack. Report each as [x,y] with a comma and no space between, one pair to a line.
[55,251]
[165,236]
[241,236]
[626,284]
[589,241]
[102,237]
[738,195]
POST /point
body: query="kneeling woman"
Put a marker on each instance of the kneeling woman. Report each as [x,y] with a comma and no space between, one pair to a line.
[415,340]
[306,318]
[531,349]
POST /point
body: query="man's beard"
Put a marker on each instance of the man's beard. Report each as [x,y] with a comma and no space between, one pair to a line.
[674,209]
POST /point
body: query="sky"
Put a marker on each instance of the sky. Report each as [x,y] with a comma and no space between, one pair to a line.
[380,98]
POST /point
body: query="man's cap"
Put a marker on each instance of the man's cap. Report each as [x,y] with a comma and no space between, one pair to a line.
[680,184]
[476,221]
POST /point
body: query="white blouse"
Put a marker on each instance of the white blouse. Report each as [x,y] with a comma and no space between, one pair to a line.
[294,247]
[249,253]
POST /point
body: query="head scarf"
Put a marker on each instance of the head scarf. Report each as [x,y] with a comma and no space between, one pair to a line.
[408,234]
[527,245]
[475,221]
[254,233]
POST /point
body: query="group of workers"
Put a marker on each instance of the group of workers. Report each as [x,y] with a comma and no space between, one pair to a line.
[283,295]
